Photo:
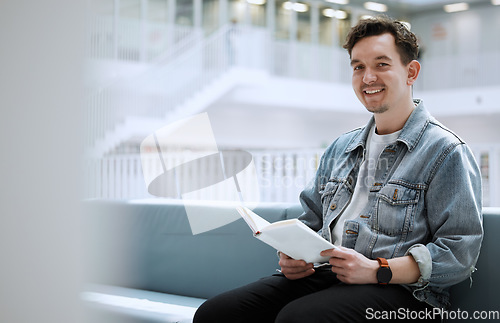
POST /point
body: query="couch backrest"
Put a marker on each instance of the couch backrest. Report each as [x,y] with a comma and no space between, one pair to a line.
[482,294]
[150,246]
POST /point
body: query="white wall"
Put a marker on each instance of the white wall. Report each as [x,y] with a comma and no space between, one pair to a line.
[40,273]
[291,114]
[466,32]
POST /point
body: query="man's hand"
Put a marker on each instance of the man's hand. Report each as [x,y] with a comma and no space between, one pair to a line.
[295,269]
[352,267]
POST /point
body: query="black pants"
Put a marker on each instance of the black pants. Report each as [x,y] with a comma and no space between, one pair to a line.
[318,298]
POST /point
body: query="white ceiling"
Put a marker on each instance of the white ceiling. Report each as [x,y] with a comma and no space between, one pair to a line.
[413,7]
[421,2]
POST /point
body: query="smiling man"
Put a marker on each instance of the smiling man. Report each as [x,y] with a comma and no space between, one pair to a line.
[400,198]
[382,80]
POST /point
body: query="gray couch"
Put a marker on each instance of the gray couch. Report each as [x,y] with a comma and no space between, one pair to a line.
[145,265]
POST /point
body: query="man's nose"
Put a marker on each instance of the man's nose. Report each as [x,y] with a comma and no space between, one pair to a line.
[369,77]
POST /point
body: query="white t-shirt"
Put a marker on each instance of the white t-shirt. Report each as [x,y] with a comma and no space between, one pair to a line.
[374,146]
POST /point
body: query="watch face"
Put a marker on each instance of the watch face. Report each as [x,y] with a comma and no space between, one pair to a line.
[384,275]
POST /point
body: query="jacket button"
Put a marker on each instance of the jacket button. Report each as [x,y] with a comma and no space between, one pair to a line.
[333,206]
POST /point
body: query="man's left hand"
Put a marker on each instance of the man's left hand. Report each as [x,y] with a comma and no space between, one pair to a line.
[352,267]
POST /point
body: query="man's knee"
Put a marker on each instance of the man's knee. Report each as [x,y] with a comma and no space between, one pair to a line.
[211,310]
[204,313]
[293,314]
[221,308]
[229,308]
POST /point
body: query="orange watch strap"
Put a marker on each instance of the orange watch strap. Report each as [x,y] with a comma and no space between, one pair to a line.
[383,262]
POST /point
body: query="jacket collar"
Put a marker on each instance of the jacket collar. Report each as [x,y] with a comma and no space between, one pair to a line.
[410,135]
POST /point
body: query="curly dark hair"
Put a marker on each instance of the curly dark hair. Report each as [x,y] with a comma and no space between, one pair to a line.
[406,41]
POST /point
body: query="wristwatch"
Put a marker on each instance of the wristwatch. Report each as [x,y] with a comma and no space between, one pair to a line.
[384,273]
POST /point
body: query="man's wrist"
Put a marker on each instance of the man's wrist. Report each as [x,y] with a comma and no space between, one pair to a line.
[404,270]
[375,267]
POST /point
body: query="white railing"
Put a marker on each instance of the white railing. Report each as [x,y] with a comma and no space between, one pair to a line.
[283,175]
[459,71]
[331,64]
[141,41]
[311,62]
[280,175]
[135,40]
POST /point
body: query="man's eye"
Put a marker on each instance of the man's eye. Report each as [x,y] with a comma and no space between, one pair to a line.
[358,67]
[383,64]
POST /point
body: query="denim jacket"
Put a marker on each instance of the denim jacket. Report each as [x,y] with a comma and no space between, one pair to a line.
[425,201]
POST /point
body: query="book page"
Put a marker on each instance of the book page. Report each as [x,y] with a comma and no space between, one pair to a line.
[254,221]
[296,239]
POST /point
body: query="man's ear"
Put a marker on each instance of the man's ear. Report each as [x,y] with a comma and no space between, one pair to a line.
[413,71]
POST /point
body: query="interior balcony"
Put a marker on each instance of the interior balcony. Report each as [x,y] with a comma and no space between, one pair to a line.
[266,95]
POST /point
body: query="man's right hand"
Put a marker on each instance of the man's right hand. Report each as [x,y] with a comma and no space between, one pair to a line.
[295,269]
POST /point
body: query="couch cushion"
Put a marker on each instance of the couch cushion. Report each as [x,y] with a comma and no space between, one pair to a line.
[112,304]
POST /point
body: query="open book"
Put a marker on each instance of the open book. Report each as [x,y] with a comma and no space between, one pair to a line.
[291,237]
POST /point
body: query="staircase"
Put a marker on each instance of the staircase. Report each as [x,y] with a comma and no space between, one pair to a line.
[136,126]
[178,83]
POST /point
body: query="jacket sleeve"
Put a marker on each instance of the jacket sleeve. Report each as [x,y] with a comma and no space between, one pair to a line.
[453,207]
[310,197]
[310,200]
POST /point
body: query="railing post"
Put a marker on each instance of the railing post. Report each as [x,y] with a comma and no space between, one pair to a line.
[314,67]
[223,17]
[197,14]
[292,62]
[170,36]
[271,26]
[116,24]
[143,47]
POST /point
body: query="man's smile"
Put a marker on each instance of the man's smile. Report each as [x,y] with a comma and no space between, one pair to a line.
[373,91]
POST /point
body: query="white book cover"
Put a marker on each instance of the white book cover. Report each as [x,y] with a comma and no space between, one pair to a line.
[291,237]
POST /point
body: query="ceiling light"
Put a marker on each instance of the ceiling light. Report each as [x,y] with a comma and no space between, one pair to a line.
[375,6]
[332,13]
[259,2]
[363,17]
[338,1]
[340,14]
[297,6]
[454,7]
[495,2]
[329,12]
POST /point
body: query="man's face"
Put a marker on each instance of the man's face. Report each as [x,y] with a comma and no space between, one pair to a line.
[379,79]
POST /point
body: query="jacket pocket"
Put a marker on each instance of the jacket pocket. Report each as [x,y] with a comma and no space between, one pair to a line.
[395,209]
[350,235]
[327,193]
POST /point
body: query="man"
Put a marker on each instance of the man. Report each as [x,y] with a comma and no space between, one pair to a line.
[400,197]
